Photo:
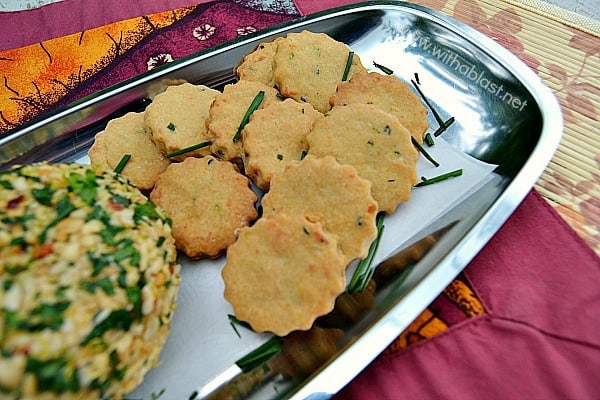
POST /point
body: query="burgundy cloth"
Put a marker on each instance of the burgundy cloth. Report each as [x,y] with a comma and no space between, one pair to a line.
[540,337]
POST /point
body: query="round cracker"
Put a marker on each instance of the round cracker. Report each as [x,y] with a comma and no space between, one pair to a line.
[258,65]
[387,93]
[283,273]
[375,143]
[324,190]
[128,135]
[275,136]
[208,201]
[308,67]
[227,113]
[177,118]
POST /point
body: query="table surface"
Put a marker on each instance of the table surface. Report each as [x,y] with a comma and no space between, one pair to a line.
[589,8]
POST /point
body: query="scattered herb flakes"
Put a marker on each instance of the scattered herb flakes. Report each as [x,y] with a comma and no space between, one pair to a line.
[53,374]
[280,156]
[119,319]
[429,140]
[171,126]
[43,196]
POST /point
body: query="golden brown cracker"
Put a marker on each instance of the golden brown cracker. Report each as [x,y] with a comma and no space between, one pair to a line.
[128,135]
[227,113]
[177,118]
[283,273]
[308,67]
[275,136]
[258,65]
[208,201]
[388,93]
[375,143]
[335,194]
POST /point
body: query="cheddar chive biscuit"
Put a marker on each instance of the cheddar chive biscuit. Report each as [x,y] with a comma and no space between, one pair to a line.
[258,65]
[375,143]
[177,118]
[326,191]
[208,201]
[275,136]
[282,273]
[308,67]
[227,114]
[128,135]
[387,93]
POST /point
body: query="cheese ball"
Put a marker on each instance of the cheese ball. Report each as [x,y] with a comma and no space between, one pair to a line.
[88,282]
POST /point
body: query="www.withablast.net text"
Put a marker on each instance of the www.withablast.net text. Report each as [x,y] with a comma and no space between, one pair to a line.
[470,71]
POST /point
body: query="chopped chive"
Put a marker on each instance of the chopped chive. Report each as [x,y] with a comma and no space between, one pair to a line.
[233,321]
[122,163]
[424,152]
[260,355]
[364,271]
[429,140]
[280,96]
[171,126]
[443,127]
[384,69]
[280,157]
[348,65]
[439,178]
[253,107]
[417,78]
[303,154]
[188,149]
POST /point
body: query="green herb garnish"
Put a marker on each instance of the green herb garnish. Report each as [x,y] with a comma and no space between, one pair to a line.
[383,68]
[171,126]
[188,149]
[443,125]
[364,271]
[348,65]
[429,140]
[424,152]
[124,160]
[439,178]
[253,107]
[233,321]
[260,355]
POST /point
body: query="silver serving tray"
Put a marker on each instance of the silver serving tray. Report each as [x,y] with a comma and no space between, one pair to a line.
[504,116]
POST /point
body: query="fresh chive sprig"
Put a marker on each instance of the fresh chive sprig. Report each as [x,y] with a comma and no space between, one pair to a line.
[443,125]
[121,165]
[348,65]
[424,152]
[364,270]
[188,149]
[439,178]
[253,107]
[260,355]
[384,69]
